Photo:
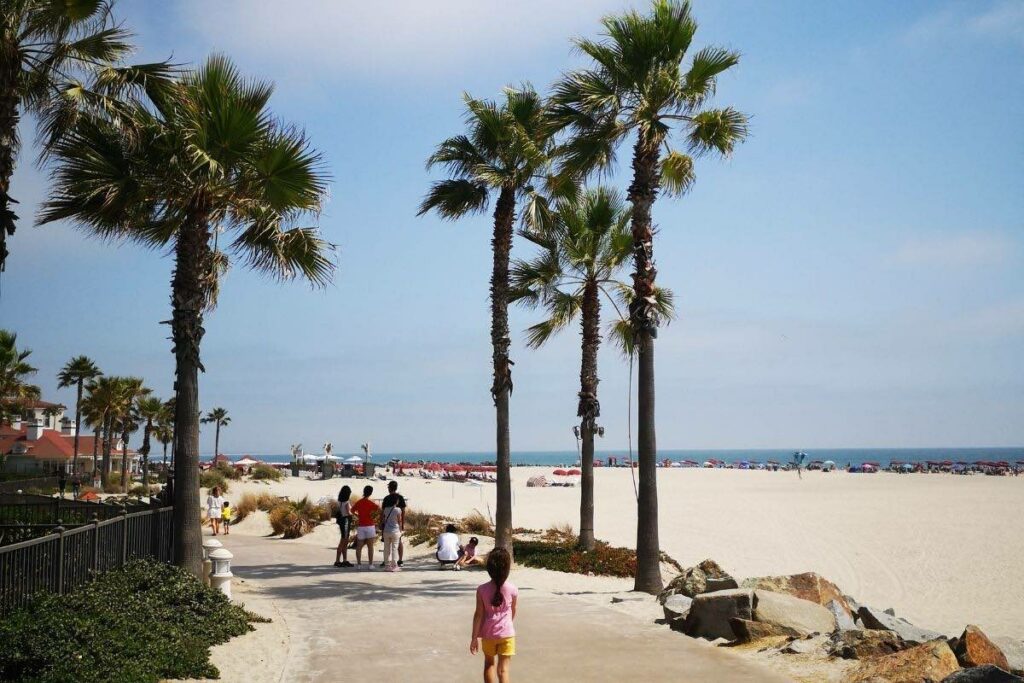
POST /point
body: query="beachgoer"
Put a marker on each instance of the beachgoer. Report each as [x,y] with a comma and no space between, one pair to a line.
[214,503]
[344,525]
[496,603]
[366,532]
[225,517]
[389,501]
[467,555]
[76,485]
[392,523]
[448,546]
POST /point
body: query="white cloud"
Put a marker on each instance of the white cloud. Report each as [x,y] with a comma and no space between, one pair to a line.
[1004,19]
[1001,20]
[402,38]
[963,250]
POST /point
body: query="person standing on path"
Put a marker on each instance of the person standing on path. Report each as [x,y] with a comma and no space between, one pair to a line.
[496,603]
[366,533]
[390,501]
[392,524]
[344,525]
[214,504]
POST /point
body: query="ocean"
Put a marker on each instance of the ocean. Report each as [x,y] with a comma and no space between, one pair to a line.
[841,456]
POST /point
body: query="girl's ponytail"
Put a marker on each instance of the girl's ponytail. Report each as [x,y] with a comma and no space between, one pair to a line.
[499,562]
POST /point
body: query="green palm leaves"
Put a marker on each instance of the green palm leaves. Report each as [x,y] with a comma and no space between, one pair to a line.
[15,371]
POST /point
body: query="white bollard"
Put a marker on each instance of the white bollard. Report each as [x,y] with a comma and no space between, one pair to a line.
[220,577]
[209,545]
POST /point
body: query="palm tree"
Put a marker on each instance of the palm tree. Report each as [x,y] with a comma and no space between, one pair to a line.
[150,410]
[582,252]
[102,405]
[219,418]
[504,153]
[58,58]
[207,156]
[638,86]
[77,372]
[14,373]
[130,390]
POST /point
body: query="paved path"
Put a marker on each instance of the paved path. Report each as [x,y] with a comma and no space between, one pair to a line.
[333,624]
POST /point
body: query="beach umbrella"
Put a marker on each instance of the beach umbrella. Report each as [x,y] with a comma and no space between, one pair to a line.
[247,462]
[559,473]
[353,460]
[574,473]
[309,458]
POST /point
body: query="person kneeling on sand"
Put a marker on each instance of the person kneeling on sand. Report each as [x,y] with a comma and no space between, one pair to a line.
[448,547]
[467,554]
[366,533]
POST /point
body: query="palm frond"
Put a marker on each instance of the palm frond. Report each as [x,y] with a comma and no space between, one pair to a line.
[455,198]
[718,130]
[563,308]
[677,175]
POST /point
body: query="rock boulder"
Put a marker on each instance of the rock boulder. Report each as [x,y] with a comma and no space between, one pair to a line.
[928,662]
[1013,649]
[803,616]
[973,648]
[844,622]
[747,631]
[676,607]
[711,613]
[982,674]
[865,644]
[806,586]
[706,577]
[879,620]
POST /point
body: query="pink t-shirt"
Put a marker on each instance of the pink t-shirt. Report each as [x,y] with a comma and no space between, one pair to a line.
[497,621]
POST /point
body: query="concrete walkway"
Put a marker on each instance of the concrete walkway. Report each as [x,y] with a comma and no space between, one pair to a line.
[334,624]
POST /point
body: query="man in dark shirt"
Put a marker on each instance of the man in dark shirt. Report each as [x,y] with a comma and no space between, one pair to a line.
[394,499]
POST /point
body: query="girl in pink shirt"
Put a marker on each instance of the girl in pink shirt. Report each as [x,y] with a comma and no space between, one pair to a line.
[492,620]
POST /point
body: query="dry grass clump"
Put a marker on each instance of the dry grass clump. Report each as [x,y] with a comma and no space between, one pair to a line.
[476,523]
[251,502]
[561,533]
[263,472]
[423,527]
[295,519]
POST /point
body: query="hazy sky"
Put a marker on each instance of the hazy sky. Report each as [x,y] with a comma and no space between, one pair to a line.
[851,277]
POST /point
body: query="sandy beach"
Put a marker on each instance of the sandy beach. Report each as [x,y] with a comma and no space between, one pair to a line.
[942,550]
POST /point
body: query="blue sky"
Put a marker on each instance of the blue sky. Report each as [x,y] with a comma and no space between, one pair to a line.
[851,277]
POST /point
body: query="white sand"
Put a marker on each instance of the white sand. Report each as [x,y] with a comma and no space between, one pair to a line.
[942,550]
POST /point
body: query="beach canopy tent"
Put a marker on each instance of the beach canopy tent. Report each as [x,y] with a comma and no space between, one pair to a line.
[353,460]
[247,462]
[309,458]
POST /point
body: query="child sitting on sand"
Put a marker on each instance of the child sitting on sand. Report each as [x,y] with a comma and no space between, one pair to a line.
[467,554]
[492,620]
[225,517]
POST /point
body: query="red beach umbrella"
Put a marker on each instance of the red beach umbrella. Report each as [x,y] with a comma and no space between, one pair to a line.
[574,473]
[559,473]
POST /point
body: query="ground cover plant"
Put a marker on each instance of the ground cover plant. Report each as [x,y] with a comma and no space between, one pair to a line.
[144,623]
[267,473]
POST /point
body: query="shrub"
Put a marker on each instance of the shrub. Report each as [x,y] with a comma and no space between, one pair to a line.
[251,502]
[294,519]
[228,471]
[146,622]
[564,556]
[266,472]
[211,478]
[476,523]
[139,490]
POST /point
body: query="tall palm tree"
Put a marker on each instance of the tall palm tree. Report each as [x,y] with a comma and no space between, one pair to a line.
[103,404]
[57,58]
[638,86]
[218,417]
[207,156]
[15,371]
[150,410]
[76,373]
[503,155]
[131,390]
[581,254]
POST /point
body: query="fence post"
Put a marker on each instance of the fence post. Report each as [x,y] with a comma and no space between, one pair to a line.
[154,533]
[60,558]
[124,537]
[95,542]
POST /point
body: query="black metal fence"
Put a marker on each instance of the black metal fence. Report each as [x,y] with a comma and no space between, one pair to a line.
[62,561]
[26,508]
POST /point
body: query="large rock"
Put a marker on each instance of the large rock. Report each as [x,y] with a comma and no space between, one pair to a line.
[982,674]
[710,613]
[806,586]
[844,622]
[1013,649]
[973,648]
[747,631]
[706,577]
[877,619]
[926,663]
[676,607]
[865,644]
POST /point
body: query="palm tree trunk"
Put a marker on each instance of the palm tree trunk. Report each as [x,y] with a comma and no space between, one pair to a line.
[124,462]
[78,426]
[95,449]
[105,472]
[9,73]
[191,267]
[165,456]
[144,451]
[589,409]
[642,193]
[216,441]
[501,389]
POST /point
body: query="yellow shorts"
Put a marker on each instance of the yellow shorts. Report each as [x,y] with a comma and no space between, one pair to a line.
[499,646]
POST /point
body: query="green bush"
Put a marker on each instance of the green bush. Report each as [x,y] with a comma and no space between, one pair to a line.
[296,518]
[211,478]
[146,622]
[228,471]
[267,472]
[563,556]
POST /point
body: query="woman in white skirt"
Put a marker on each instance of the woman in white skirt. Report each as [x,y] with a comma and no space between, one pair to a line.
[214,503]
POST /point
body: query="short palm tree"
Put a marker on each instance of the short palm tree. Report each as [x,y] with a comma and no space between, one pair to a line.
[503,155]
[102,405]
[15,371]
[150,411]
[218,417]
[582,253]
[77,372]
[57,58]
[205,157]
[638,86]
